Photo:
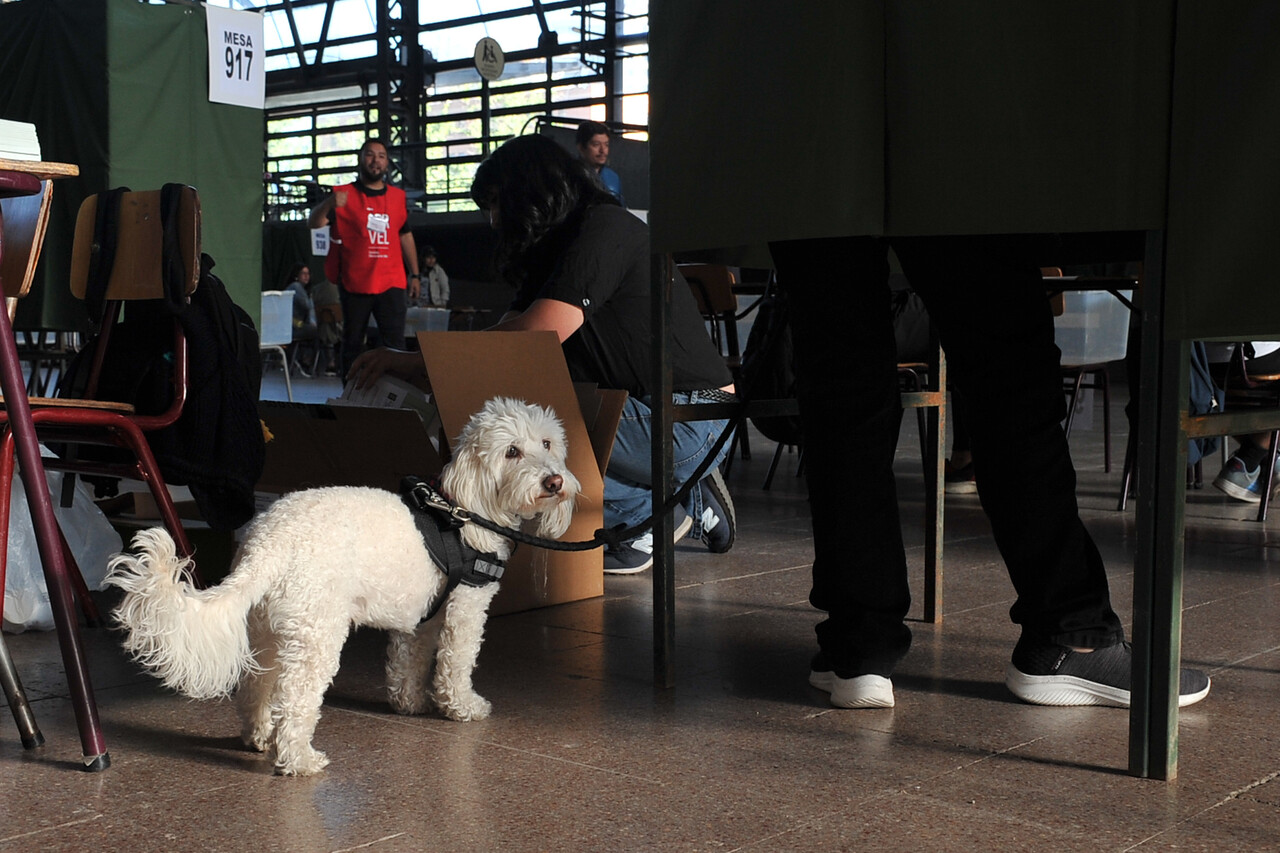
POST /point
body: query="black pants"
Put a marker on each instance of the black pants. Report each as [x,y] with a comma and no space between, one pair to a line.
[990,310]
[388,310]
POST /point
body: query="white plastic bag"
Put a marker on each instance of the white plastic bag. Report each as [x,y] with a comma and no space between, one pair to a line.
[91,537]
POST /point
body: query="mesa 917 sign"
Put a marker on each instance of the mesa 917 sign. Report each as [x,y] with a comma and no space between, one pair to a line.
[236,53]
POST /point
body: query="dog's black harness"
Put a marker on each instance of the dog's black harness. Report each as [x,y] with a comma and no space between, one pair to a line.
[440,524]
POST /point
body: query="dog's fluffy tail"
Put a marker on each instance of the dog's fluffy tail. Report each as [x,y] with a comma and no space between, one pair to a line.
[196,641]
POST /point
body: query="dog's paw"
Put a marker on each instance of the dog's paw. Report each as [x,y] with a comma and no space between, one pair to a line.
[307,763]
[464,710]
[410,705]
[258,740]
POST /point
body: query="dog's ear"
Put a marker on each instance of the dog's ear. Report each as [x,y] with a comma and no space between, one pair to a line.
[467,476]
[469,481]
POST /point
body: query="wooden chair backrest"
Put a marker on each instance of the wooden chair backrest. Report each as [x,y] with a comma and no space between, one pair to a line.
[331,313]
[25,220]
[712,286]
[1057,301]
[137,270]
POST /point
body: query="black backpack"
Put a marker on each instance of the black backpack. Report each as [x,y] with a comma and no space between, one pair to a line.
[216,447]
[1205,397]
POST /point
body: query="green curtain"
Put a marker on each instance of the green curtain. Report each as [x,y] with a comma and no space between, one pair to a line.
[120,89]
[163,128]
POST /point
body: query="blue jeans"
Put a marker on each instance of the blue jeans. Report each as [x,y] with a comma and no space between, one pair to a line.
[628,482]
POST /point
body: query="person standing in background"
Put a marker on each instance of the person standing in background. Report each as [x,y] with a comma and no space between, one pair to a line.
[593,149]
[369,217]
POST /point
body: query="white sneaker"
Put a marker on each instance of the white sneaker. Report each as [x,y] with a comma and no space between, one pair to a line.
[644,542]
[861,691]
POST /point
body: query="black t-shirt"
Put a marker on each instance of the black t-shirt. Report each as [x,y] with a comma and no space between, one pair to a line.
[604,270]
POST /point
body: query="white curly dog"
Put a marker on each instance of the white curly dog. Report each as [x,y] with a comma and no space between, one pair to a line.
[323,560]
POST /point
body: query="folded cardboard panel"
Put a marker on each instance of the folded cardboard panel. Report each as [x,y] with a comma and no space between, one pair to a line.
[321,445]
[468,368]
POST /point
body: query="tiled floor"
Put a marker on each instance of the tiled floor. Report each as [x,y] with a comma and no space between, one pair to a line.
[583,753]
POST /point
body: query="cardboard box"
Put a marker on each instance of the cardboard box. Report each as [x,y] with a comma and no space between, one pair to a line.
[316,445]
[391,393]
[468,368]
[320,445]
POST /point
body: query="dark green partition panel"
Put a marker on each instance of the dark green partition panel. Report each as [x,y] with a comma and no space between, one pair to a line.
[120,89]
[774,120]
[765,123]
[163,128]
[1004,116]
[1001,116]
[1224,196]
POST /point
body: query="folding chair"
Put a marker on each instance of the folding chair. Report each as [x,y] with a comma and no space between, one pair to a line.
[156,257]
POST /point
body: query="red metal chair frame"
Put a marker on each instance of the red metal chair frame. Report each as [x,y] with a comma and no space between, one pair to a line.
[88,421]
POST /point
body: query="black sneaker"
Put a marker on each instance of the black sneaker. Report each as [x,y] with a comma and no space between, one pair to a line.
[627,560]
[719,519]
[636,555]
[1049,674]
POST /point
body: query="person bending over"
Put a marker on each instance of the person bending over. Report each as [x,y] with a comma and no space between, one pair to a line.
[580,265]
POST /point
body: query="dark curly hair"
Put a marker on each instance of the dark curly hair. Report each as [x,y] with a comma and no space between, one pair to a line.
[541,193]
[294,272]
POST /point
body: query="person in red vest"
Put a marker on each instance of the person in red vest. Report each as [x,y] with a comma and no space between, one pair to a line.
[368,218]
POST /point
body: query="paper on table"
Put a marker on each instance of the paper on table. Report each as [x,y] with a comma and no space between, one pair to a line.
[18,140]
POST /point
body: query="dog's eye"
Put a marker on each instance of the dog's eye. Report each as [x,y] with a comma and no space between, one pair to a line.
[513,452]
[546,444]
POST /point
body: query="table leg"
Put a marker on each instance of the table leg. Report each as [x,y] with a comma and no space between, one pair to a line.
[662,276]
[1157,593]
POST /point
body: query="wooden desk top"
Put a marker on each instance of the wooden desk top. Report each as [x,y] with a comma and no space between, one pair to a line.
[40,168]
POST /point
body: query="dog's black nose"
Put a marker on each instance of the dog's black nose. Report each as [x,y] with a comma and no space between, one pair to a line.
[553,483]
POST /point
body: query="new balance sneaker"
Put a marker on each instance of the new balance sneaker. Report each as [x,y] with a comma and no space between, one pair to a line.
[859,691]
[636,555]
[719,521]
[1237,481]
[958,481]
[1049,674]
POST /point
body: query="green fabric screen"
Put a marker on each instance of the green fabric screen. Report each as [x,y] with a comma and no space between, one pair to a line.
[1224,180]
[871,117]
[163,128]
[120,88]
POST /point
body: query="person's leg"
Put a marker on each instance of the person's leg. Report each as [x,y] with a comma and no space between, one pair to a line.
[851,411]
[628,489]
[356,308]
[997,329]
[960,440]
[1240,477]
[389,310]
[959,478]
